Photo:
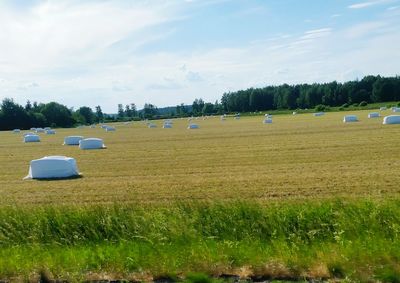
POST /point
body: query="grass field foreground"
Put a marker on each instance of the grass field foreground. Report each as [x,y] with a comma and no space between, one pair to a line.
[336,239]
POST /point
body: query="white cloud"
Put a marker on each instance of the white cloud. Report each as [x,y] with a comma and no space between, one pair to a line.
[311,34]
[367,4]
[366,28]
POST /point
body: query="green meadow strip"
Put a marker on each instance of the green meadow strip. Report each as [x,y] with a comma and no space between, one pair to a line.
[335,239]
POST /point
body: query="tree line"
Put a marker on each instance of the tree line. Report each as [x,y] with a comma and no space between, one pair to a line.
[368,90]
[53,114]
[301,96]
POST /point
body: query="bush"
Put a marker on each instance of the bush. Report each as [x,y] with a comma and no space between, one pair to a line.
[398,104]
[321,107]
[363,103]
[345,105]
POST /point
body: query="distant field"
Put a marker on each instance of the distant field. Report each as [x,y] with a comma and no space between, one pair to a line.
[296,157]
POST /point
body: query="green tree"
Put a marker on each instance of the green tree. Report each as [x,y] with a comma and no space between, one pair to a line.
[57,115]
[149,110]
[121,112]
[208,108]
[99,114]
[13,115]
[87,114]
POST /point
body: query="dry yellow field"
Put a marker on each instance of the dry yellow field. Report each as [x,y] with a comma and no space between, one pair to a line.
[296,157]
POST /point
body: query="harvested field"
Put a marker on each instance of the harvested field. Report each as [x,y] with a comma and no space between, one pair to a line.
[295,158]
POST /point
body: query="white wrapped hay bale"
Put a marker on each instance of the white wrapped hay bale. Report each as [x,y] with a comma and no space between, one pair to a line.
[267,121]
[383,108]
[373,115]
[39,130]
[193,126]
[396,109]
[91,143]
[31,138]
[52,167]
[167,126]
[50,132]
[16,131]
[392,119]
[110,129]
[151,125]
[318,114]
[72,140]
[350,118]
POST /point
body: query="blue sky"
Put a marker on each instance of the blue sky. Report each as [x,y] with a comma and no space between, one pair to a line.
[170,51]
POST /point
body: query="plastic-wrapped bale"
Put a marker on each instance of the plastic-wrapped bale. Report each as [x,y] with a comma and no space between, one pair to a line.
[31,138]
[29,133]
[267,121]
[39,130]
[72,140]
[47,128]
[237,116]
[16,131]
[110,129]
[392,119]
[50,132]
[350,118]
[294,113]
[167,126]
[383,108]
[373,115]
[222,118]
[193,126]
[396,109]
[32,129]
[92,126]
[91,143]
[52,167]
[318,114]
[151,125]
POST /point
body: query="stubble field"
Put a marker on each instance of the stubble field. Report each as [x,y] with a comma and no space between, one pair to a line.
[296,157]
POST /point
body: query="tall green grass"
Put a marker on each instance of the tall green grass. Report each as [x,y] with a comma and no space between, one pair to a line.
[359,240]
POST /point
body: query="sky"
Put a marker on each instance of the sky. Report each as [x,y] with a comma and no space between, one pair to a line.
[167,52]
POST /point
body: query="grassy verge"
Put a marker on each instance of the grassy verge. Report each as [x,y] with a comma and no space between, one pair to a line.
[355,240]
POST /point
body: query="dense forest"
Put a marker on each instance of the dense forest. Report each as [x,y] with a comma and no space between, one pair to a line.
[370,89]
[13,115]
